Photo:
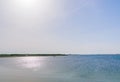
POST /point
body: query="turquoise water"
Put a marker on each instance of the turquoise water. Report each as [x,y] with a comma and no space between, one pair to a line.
[61,69]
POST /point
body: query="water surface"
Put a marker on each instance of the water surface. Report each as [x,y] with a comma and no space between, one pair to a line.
[61,69]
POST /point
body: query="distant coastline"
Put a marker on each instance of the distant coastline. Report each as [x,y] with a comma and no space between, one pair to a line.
[26,55]
[20,55]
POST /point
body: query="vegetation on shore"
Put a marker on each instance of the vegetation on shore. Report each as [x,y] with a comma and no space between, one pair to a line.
[17,55]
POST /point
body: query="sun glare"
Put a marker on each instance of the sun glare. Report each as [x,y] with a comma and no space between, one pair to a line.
[32,4]
[26,3]
[33,63]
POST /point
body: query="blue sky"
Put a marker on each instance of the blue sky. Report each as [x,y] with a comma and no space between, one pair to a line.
[60,26]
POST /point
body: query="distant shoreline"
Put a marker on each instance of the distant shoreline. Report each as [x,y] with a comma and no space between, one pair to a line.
[26,55]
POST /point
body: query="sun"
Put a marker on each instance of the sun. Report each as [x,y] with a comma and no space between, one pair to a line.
[26,3]
[32,4]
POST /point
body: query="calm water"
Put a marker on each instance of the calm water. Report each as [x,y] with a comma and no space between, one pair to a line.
[60,69]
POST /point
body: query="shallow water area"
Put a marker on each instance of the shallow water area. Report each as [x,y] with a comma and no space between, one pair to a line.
[93,68]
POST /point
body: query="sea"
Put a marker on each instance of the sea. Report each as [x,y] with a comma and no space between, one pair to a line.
[73,68]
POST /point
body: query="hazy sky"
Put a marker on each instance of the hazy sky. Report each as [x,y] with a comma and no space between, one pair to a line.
[60,26]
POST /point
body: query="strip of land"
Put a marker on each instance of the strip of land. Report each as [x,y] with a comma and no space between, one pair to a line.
[19,55]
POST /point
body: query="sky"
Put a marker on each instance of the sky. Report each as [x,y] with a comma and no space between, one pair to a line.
[60,26]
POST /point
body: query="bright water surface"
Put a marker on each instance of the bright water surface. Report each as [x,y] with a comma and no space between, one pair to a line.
[60,69]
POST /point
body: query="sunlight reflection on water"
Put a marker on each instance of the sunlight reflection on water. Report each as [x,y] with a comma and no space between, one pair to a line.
[33,63]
